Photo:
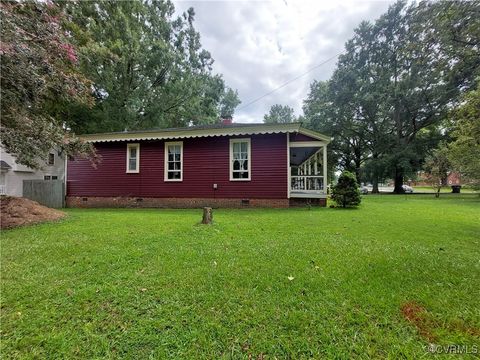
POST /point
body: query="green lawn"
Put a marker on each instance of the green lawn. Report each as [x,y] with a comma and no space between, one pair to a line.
[443,189]
[381,281]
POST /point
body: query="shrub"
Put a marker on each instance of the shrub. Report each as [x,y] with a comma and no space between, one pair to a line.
[346,192]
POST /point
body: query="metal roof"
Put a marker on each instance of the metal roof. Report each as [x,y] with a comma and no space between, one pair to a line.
[204,131]
[4,165]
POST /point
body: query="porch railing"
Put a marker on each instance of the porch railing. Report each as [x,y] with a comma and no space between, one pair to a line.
[306,183]
[3,190]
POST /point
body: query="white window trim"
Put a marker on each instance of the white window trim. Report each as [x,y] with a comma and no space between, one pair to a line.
[137,168]
[249,151]
[165,175]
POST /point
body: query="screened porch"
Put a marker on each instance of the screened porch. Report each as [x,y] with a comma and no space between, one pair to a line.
[307,173]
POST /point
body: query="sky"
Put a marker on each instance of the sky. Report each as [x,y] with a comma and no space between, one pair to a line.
[260,45]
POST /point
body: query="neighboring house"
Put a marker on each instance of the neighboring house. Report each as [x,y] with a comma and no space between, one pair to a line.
[13,174]
[226,165]
[454,178]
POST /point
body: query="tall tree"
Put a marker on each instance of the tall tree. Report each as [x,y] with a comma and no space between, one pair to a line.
[393,86]
[38,72]
[464,151]
[279,114]
[332,115]
[148,68]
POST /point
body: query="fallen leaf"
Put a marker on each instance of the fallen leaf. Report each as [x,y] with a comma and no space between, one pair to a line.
[143,289]
[290,278]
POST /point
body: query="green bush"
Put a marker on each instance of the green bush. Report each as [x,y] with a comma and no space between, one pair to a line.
[346,192]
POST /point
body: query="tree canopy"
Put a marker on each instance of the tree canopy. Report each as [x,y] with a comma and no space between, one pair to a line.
[388,98]
[83,66]
[39,73]
[279,114]
[464,150]
[148,69]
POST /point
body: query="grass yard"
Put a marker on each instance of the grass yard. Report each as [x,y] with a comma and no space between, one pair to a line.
[443,189]
[381,281]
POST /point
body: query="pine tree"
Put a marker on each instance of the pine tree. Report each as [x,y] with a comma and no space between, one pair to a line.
[346,192]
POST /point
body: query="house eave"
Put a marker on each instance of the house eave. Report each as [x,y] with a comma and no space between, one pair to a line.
[185,133]
[314,134]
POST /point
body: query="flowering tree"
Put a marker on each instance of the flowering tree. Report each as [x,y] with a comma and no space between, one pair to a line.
[38,76]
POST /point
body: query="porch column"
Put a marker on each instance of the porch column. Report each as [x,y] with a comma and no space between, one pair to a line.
[325,169]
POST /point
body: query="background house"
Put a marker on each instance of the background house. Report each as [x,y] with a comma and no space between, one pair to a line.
[13,174]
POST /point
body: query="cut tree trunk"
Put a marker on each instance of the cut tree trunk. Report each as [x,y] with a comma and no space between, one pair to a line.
[207,215]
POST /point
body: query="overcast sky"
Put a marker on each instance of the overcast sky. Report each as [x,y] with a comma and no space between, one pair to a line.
[259,45]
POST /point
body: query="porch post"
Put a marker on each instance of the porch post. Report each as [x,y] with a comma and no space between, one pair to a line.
[289,171]
[325,169]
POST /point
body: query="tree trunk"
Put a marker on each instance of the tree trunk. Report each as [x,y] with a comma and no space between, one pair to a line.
[398,182]
[375,186]
[207,215]
[358,164]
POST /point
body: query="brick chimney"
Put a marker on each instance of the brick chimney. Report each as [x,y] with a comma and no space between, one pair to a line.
[227,121]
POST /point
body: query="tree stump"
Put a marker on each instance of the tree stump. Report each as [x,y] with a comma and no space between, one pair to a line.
[207,215]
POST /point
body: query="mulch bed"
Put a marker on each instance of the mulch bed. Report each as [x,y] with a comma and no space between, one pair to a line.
[15,211]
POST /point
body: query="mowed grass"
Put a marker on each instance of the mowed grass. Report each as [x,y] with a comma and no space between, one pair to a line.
[443,189]
[146,283]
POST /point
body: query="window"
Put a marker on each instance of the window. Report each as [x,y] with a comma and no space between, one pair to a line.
[133,158]
[174,161]
[50,177]
[240,163]
[51,159]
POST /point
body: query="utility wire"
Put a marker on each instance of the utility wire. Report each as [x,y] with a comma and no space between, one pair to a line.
[288,82]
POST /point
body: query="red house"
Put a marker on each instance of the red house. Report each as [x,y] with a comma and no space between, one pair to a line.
[223,165]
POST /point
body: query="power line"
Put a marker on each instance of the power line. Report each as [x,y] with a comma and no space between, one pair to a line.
[289,81]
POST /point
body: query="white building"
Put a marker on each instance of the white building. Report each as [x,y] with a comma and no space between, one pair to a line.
[13,174]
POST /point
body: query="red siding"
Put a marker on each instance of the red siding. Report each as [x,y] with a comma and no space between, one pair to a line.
[205,162]
[301,137]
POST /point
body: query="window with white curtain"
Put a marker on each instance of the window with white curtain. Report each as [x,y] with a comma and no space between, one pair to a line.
[240,160]
[174,161]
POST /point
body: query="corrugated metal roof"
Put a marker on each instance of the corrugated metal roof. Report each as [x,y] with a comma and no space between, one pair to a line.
[203,131]
[4,165]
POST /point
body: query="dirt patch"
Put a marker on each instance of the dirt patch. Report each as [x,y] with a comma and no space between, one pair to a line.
[16,212]
[418,316]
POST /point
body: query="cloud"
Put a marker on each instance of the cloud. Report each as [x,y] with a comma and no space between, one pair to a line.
[260,45]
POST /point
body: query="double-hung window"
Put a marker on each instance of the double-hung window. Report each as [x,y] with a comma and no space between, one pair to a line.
[240,160]
[174,161]
[133,158]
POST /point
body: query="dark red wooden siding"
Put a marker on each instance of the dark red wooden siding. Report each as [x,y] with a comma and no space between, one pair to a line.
[301,137]
[205,162]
